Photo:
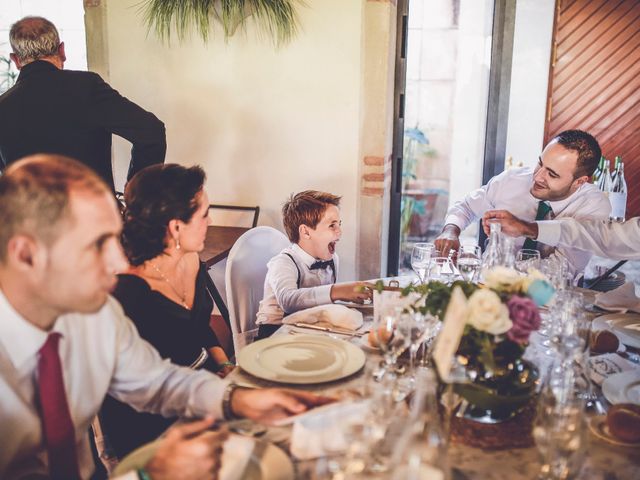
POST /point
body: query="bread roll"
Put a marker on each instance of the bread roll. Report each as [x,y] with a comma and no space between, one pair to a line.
[603,341]
[623,421]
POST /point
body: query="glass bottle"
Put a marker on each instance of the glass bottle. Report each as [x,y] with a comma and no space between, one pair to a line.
[596,175]
[493,253]
[604,182]
[421,453]
[618,194]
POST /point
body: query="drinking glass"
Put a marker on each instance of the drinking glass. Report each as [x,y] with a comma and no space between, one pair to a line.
[527,259]
[420,258]
[392,340]
[469,261]
[415,326]
[441,269]
[559,428]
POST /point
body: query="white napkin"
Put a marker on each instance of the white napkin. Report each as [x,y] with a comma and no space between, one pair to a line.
[235,457]
[621,299]
[603,366]
[332,315]
[324,433]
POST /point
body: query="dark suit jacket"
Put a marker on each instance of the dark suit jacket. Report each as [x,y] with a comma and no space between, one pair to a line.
[72,113]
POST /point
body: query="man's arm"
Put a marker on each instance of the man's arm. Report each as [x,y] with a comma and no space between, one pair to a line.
[618,241]
[466,211]
[148,383]
[116,114]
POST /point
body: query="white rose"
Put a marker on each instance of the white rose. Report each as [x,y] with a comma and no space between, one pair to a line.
[487,313]
[502,278]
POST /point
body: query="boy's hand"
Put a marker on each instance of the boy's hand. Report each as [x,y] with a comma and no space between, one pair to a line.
[357,292]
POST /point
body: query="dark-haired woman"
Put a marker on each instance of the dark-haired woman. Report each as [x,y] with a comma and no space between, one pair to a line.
[164,291]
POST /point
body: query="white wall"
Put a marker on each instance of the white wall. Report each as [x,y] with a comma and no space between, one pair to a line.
[529,79]
[262,122]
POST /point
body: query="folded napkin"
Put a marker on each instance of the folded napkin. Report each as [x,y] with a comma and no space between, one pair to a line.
[621,299]
[327,315]
[327,431]
[603,366]
[235,457]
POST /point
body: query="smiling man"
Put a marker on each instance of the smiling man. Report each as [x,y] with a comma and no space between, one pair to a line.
[557,187]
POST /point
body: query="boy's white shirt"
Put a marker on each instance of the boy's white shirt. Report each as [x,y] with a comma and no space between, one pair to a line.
[281,292]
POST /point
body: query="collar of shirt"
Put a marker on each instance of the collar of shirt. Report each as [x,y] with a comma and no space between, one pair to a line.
[307,260]
[557,206]
[21,339]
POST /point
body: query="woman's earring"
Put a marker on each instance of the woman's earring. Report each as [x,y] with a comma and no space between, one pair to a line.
[178,243]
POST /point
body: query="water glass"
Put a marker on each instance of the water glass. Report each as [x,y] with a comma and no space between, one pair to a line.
[527,259]
[392,340]
[469,261]
[420,258]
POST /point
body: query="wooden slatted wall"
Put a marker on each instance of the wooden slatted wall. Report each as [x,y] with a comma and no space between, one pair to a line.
[594,80]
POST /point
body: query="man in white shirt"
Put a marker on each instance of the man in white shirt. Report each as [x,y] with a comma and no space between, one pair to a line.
[65,343]
[558,187]
[617,241]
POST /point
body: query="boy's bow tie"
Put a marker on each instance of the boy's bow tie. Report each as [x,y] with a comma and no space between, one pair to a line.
[322,264]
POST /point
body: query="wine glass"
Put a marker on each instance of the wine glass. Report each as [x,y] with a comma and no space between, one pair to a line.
[441,269]
[527,259]
[420,257]
[415,326]
[559,428]
[392,340]
[469,261]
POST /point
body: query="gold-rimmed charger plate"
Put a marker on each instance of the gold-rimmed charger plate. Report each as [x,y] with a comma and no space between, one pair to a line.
[301,359]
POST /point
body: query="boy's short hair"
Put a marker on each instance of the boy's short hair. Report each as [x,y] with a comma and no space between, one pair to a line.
[305,208]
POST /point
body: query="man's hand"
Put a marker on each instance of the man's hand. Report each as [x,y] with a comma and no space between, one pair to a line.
[448,240]
[511,225]
[356,292]
[188,451]
[271,404]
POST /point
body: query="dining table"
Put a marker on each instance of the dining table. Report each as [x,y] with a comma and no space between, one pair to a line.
[603,460]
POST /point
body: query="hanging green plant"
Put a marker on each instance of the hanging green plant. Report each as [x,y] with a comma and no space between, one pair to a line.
[276,18]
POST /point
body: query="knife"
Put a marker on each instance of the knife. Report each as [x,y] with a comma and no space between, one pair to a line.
[329,330]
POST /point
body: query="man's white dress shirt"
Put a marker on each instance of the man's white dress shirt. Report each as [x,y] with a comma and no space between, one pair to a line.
[100,353]
[510,191]
[281,292]
[618,241]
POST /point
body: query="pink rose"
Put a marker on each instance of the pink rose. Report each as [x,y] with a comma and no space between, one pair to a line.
[525,317]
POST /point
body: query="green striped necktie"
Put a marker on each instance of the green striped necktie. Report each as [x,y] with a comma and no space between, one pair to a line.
[543,210]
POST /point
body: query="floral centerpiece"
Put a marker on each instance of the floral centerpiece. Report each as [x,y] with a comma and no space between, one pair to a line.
[500,317]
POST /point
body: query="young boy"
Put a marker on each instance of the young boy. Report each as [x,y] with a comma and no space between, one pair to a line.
[303,275]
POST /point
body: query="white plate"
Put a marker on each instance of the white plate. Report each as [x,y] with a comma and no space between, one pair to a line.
[301,359]
[625,325]
[622,388]
[265,461]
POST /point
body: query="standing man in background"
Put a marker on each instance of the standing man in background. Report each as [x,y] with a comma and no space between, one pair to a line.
[72,113]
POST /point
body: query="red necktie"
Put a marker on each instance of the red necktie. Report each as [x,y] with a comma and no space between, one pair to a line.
[57,427]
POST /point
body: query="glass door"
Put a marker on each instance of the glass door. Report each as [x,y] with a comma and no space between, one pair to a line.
[444,108]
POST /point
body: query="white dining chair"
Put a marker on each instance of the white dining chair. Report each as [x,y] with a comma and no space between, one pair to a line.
[245,274]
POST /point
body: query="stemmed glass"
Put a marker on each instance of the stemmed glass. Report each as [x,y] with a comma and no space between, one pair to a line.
[392,340]
[416,327]
[420,258]
[469,261]
[527,259]
[559,427]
